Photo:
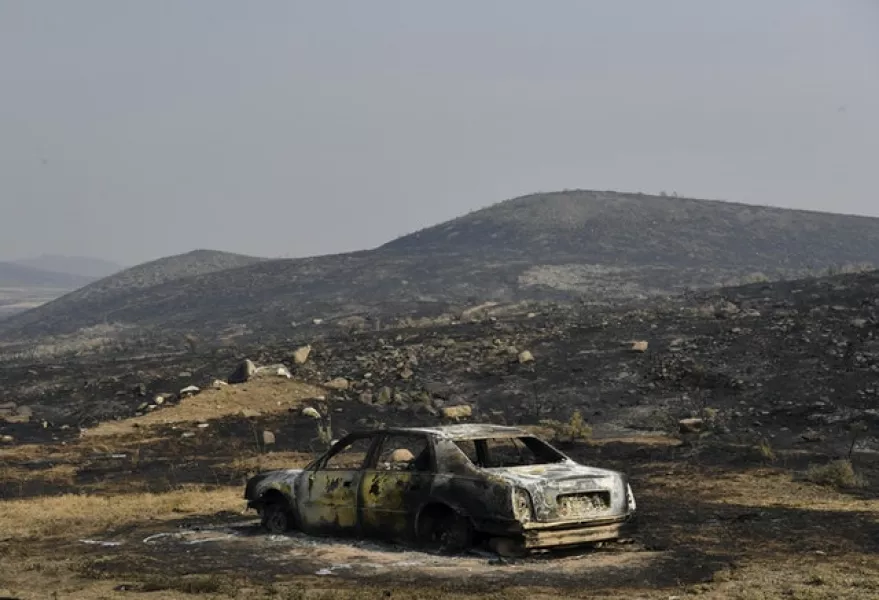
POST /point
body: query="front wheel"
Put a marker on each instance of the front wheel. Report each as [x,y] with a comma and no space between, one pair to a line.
[276,518]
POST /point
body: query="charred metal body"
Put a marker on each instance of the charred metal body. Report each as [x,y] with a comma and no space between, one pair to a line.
[447,486]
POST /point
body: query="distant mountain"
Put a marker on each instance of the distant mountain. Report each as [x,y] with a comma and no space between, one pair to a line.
[14,275]
[584,245]
[73,265]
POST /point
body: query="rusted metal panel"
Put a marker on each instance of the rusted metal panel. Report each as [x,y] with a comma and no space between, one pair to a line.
[547,538]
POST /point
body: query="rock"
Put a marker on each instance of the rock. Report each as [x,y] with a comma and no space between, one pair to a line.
[406,373]
[139,390]
[187,434]
[203,425]
[686,426]
[159,399]
[525,357]
[277,370]
[310,412]
[188,391]
[339,383]
[317,321]
[859,323]
[366,398]
[268,438]
[639,346]
[243,372]
[457,412]
[300,355]
[249,413]
[218,384]
[7,439]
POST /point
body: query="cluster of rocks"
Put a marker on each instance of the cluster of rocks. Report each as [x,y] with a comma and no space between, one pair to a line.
[797,359]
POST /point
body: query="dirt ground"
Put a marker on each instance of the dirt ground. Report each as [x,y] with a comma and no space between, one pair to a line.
[142,511]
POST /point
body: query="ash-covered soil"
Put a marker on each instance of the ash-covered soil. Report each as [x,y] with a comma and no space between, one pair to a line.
[794,363]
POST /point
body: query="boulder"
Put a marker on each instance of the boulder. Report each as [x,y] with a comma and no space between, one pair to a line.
[277,370]
[243,372]
[300,355]
[339,383]
[687,426]
[188,391]
[7,439]
[639,346]
[310,412]
[402,455]
[268,438]
[457,412]
[525,357]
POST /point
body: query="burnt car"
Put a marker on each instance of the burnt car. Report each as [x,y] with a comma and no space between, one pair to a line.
[447,488]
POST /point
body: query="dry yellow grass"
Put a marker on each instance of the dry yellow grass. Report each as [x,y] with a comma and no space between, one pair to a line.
[264,397]
[73,515]
[271,460]
[761,488]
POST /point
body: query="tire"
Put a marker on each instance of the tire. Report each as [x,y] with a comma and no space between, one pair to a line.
[448,533]
[276,517]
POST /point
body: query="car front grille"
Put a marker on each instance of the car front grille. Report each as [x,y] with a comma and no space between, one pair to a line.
[572,506]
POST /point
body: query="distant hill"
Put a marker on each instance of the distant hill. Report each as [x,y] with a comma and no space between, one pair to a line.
[13,275]
[585,245]
[94,268]
[612,228]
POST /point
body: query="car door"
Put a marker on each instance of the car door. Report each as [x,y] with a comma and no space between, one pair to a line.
[395,483]
[327,494]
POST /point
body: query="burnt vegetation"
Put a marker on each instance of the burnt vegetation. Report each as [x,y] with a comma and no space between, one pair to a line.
[746,416]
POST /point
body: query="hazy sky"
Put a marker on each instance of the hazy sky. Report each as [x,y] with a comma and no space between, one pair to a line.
[131,130]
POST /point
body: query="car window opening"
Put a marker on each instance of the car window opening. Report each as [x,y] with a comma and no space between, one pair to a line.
[503,452]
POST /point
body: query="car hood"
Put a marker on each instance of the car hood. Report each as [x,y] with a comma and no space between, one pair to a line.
[279,479]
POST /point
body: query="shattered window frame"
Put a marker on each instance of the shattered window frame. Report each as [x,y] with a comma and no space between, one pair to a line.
[344,445]
[427,440]
[543,452]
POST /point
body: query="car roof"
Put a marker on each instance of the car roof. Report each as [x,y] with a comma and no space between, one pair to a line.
[467,431]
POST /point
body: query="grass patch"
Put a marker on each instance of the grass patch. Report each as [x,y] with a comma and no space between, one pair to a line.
[838,473]
[264,397]
[191,584]
[74,515]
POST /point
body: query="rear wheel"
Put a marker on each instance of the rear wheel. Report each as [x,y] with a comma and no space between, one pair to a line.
[276,517]
[445,531]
